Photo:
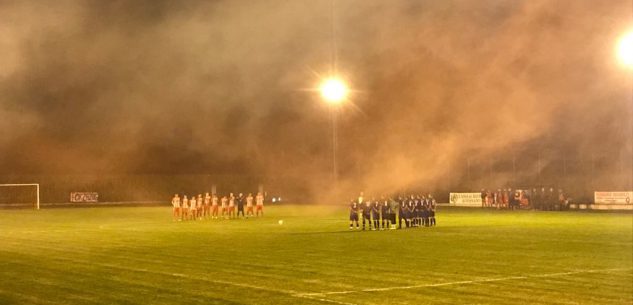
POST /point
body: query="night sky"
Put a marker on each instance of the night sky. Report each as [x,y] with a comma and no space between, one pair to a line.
[223,87]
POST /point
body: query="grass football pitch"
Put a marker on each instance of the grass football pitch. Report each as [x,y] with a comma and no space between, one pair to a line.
[138,255]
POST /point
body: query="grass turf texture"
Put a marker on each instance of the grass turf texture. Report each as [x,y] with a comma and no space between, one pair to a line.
[137,255]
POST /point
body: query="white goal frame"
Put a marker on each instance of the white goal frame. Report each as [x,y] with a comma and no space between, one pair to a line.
[37,190]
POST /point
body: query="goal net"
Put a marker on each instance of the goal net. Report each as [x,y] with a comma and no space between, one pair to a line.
[20,195]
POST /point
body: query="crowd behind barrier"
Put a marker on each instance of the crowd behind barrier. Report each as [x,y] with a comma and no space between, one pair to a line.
[547,199]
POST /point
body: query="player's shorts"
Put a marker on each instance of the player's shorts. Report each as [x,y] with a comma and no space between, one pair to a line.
[214,208]
[432,213]
[365,216]
[353,216]
[223,209]
[375,215]
[260,208]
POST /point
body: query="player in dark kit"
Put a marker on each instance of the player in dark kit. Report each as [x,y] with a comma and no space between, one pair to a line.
[432,204]
[425,211]
[402,206]
[393,208]
[353,214]
[375,213]
[410,211]
[422,212]
[417,211]
[366,211]
[240,205]
[385,212]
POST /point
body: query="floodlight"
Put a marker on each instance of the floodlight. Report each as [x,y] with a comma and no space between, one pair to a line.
[333,90]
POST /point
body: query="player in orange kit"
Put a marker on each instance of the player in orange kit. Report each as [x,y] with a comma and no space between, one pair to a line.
[259,203]
[175,202]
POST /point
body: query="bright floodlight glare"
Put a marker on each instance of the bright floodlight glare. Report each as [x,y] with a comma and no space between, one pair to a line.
[333,90]
[625,50]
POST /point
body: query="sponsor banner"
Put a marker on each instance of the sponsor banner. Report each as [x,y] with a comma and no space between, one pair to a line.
[84,197]
[465,199]
[613,197]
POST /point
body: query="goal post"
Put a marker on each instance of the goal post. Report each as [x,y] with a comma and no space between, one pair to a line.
[36,204]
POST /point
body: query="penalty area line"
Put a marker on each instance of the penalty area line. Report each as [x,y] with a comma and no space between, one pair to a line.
[518,277]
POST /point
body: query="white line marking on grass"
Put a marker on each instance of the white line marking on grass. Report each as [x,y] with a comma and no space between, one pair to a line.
[291,293]
[243,285]
[520,277]
[185,276]
[311,297]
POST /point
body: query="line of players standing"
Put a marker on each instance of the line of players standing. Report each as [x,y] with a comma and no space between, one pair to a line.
[414,211]
[210,206]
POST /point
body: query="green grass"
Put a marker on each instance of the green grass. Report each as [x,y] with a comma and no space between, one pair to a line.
[137,255]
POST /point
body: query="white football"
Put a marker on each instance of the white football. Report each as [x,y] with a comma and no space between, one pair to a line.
[281,222]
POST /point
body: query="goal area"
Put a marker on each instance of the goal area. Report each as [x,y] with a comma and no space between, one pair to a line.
[20,195]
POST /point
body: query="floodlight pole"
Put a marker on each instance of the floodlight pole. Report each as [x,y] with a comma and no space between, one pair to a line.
[333,112]
[514,170]
[631,126]
[627,64]
[468,166]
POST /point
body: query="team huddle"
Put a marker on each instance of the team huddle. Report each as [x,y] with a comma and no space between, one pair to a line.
[212,207]
[415,211]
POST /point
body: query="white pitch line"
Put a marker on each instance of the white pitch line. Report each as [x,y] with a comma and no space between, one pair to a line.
[243,285]
[310,297]
[181,275]
[465,282]
[291,293]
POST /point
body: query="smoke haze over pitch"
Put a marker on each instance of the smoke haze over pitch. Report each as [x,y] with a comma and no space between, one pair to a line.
[217,87]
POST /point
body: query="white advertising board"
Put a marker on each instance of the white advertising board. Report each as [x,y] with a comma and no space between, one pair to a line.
[613,197]
[465,199]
